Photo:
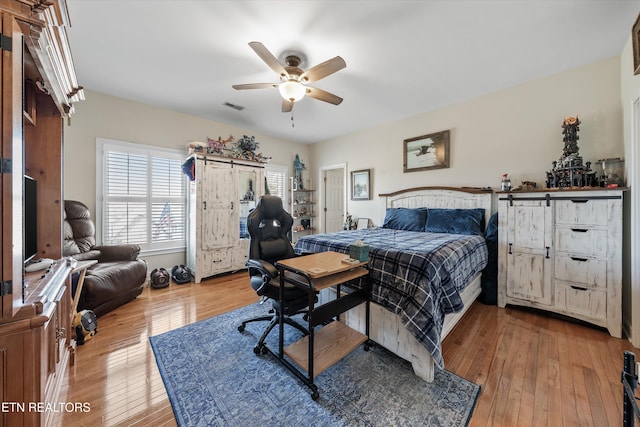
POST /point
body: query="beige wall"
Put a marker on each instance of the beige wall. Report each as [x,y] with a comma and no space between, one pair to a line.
[516,130]
[104,116]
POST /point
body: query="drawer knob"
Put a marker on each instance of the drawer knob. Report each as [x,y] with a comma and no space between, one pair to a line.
[578,288]
[579,259]
[579,230]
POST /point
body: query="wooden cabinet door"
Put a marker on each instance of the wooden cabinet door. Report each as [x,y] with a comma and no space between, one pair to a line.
[12,151]
[218,207]
[529,238]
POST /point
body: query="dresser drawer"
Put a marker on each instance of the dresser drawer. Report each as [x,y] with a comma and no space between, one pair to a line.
[581,241]
[582,301]
[590,272]
[581,212]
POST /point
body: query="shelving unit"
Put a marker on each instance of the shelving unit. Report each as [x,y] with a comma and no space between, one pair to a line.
[302,209]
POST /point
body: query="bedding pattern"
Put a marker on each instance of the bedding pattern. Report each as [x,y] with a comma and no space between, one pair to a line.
[416,275]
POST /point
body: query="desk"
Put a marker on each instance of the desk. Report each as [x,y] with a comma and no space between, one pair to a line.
[81,266]
[319,350]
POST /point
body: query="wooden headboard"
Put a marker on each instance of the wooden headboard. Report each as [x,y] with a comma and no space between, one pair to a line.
[441,197]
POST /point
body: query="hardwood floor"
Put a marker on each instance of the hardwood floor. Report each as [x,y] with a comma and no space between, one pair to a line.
[534,369]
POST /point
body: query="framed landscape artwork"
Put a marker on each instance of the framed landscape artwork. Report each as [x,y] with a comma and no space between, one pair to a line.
[360,184]
[635,41]
[427,152]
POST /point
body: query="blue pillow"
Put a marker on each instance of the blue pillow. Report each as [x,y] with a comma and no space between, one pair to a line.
[410,219]
[455,221]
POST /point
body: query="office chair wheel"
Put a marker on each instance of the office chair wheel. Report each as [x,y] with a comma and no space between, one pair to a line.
[315,394]
[241,328]
[260,349]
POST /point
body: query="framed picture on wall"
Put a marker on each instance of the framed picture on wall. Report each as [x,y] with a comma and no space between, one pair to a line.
[635,40]
[426,152]
[361,184]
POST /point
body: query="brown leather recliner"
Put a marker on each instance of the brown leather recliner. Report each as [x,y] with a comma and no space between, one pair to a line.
[119,275]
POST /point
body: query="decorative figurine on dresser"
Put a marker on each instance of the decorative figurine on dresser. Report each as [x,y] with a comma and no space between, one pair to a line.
[560,248]
[569,171]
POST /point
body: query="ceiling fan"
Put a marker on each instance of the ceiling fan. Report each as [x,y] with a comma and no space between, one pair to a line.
[293,79]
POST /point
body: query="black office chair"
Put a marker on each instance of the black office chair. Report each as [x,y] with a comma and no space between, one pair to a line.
[268,226]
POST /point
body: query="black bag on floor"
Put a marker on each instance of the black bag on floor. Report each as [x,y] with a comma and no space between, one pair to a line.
[180,274]
[160,278]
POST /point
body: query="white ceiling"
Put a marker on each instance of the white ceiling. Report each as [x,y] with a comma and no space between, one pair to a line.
[403,57]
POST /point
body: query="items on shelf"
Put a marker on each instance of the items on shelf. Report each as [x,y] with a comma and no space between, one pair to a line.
[244,148]
[298,167]
[301,207]
[611,172]
[505,184]
[569,171]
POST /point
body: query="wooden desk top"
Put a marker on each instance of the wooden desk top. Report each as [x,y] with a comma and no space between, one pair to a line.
[325,269]
[321,264]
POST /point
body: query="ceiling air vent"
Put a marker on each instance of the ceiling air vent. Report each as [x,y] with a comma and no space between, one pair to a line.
[234,106]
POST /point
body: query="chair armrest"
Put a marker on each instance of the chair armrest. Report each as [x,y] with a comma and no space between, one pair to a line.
[111,253]
[263,267]
[83,256]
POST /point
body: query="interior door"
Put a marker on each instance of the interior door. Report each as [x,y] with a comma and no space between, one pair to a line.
[333,200]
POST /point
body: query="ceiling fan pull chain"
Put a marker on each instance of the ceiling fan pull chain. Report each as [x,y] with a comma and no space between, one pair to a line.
[292,122]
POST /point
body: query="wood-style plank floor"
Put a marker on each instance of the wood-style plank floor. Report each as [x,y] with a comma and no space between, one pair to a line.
[534,369]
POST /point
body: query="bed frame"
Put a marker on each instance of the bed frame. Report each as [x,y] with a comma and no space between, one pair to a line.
[385,327]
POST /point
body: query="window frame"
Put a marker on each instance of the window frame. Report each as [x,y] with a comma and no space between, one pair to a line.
[285,171]
[104,145]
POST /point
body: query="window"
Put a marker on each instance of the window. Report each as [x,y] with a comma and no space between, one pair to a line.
[276,181]
[141,196]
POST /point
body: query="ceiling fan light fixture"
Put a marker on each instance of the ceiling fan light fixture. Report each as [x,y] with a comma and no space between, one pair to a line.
[292,90]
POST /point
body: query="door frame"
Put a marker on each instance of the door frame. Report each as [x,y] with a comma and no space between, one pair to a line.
[633,169]
[321,191]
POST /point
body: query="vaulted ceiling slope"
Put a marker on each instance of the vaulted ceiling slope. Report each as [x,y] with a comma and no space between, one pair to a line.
[403,57]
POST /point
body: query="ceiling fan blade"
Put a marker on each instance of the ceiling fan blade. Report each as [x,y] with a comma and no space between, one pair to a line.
[269,59]
[323,70]
[287,106]
[255,86]
[323,95]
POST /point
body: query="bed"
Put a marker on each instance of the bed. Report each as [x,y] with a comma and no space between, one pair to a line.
[425,265]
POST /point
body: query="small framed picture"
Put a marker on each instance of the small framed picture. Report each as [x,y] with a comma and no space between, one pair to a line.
[361,185]
[635,41]
[363,223]
[427,152]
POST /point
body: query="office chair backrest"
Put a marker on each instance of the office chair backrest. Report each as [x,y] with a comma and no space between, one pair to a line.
[268,225]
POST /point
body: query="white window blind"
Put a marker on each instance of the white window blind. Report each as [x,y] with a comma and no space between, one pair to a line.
[276,181]
[141,196]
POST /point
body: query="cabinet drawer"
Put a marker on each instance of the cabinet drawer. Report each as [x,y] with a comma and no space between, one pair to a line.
[585,271]
[586,302]
[583,212]
[212,262]
[581,241]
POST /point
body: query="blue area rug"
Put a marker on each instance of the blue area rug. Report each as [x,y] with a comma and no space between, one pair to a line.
[213,378]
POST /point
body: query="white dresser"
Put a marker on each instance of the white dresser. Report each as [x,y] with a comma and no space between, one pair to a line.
[561,251]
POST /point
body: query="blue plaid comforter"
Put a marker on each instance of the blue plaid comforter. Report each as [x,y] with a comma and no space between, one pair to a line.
[417,275]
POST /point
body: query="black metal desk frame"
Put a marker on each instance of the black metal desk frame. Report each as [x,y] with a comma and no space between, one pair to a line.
[318,315]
